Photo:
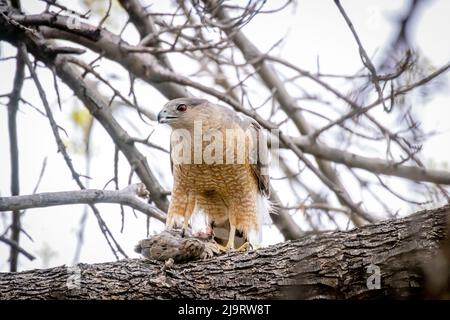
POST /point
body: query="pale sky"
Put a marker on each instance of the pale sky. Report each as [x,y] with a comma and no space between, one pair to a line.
[315,29]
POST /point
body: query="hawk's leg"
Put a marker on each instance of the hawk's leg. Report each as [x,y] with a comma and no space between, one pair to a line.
[180,210]
[190,205]
[230,245]
[185,227]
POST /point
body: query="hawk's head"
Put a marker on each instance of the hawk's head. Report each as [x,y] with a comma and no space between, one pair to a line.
[179,112]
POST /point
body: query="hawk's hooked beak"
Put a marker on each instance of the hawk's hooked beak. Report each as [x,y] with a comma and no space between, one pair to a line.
[164,116]
[161,116]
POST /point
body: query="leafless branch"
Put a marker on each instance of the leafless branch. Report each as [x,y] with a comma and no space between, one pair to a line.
[17,247]
[127,196]
[13,106]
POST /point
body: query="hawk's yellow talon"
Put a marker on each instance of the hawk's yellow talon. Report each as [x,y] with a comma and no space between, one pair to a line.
[224,249]
[221,248]
[245,247]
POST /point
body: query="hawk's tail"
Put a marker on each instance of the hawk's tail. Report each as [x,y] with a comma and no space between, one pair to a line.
[263,209]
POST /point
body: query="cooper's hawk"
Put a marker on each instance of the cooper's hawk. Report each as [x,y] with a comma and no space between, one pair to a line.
[219,168]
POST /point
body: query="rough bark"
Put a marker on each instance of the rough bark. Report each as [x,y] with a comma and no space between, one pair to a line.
[331,265]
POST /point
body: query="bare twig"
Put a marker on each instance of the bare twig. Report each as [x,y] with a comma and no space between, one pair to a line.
[364,56]
[17,247]
[41,174]
[13,106]
[106,14]
[68,10]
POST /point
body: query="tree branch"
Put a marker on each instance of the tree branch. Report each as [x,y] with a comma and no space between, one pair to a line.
[13,107]
[327,265]
[126,196]
[16,247]
[374,165]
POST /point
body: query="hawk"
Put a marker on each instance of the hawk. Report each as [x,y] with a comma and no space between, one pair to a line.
[219,168]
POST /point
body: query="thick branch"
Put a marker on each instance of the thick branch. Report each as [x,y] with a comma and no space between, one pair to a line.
[374,165]
[329,265]
[126,196]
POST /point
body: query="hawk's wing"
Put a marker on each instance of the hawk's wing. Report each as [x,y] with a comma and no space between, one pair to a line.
[170,156]
[260,169]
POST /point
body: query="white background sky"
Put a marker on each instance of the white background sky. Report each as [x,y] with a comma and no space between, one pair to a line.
[314,29]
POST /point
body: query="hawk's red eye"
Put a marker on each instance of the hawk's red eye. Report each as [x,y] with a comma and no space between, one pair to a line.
[182,107]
